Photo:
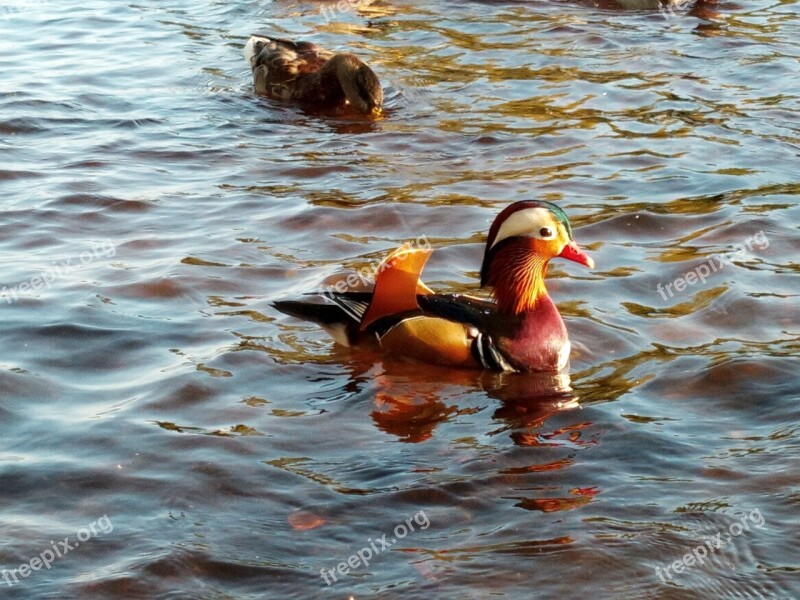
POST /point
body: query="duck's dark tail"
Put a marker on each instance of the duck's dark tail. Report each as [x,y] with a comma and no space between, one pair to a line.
[340,318]
[253,47]
[257,42]
[323,314]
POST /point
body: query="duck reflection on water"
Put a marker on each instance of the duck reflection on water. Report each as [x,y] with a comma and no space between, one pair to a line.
[411,400]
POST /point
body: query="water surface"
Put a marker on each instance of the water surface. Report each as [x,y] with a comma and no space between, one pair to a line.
[236,452]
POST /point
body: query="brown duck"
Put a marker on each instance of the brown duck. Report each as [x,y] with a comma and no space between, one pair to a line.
[307,74]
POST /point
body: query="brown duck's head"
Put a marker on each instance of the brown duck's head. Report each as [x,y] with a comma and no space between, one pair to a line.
[522,240]
[359,83]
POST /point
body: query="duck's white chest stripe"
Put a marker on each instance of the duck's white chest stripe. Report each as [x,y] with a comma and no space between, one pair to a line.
[489,356]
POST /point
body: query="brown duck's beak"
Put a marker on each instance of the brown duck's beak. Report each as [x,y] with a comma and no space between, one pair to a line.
[572,252]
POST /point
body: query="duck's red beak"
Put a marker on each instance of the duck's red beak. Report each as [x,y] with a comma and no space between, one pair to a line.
[572,252]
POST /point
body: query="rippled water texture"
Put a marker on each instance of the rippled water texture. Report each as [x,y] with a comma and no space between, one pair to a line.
[219,449]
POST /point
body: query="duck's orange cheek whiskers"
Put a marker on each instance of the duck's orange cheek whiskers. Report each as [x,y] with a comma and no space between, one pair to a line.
[572,252]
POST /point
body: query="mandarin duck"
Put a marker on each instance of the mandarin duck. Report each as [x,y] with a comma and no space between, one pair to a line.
[520,329]
[305,73]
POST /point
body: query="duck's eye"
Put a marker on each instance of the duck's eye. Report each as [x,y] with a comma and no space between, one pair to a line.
[546,232]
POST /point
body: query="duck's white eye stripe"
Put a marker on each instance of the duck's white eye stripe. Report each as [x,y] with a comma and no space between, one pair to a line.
[530,221]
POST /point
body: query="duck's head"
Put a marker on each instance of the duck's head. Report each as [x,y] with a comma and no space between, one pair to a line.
[522,240]
[359,83]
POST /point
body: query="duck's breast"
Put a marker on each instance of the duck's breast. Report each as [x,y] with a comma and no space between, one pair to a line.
[538,341]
